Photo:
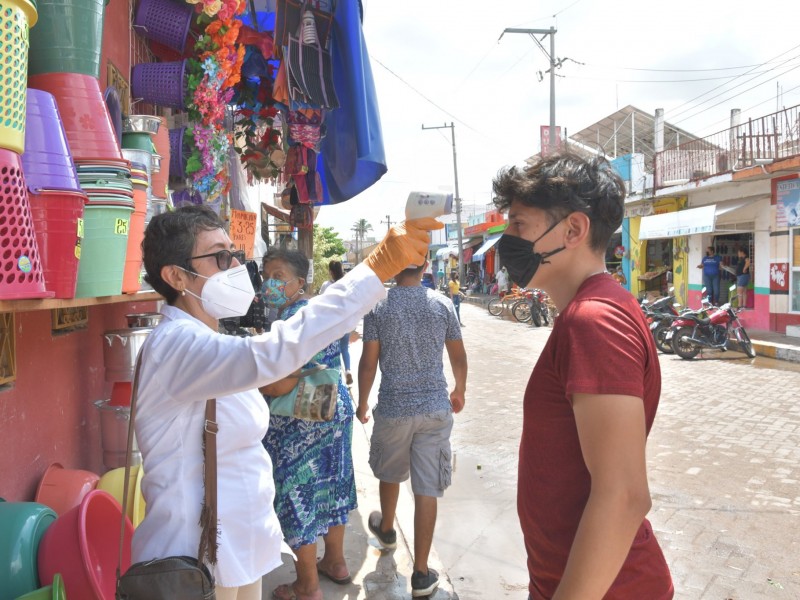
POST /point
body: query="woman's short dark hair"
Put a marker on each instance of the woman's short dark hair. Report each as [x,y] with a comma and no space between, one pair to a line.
[744,251]
[336,269]
[563,183]
[169,240]
[297,261]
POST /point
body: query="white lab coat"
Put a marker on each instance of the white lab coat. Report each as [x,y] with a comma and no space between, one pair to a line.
[185,363]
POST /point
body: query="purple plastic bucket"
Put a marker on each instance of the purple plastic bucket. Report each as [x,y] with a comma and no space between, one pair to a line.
[178,158]
[164,21]
[161,83]
[47,161]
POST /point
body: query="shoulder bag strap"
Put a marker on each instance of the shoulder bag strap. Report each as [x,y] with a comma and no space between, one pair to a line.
[208,515]
[128,457]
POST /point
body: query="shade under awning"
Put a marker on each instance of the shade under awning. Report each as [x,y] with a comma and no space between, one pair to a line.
[486,246]
[675,224]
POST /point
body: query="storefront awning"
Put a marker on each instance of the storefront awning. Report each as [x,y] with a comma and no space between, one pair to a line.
[447,251]
[485,247]
[678,223]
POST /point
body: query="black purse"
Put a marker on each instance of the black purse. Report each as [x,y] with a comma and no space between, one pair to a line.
[175,577]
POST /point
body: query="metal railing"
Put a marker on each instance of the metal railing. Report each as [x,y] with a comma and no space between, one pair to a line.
[758,141]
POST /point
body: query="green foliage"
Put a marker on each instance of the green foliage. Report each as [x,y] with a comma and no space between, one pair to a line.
[327,246]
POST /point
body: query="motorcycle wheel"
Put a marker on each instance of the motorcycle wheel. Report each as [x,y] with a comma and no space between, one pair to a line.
[685,349]
[495,307]
[536,316]
[745,343]
[659,334]
[542,309]
[521,311]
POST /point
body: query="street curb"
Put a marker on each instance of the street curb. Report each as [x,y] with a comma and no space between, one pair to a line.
[777,351]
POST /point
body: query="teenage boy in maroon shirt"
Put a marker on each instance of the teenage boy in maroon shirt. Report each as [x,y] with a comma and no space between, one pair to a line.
[592,397]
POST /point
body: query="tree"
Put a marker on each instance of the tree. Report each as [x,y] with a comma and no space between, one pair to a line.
[327,246]
[360,229]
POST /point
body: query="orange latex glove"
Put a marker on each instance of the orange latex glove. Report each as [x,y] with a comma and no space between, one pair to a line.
[404,244]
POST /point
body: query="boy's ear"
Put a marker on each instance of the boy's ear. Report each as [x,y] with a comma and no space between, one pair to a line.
[578,226]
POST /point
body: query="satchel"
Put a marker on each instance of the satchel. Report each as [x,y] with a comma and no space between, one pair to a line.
[313,398]
[175,577]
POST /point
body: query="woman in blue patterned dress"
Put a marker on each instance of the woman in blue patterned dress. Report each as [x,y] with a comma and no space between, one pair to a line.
[313,465]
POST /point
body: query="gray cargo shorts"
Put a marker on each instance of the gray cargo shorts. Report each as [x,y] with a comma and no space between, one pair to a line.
[419,445]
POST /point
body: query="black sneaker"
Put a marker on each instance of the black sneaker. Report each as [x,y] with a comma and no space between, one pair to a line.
[388,539]
[423,584]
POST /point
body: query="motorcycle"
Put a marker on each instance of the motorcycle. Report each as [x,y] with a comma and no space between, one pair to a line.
[660,315]
[532,307]
[709,328]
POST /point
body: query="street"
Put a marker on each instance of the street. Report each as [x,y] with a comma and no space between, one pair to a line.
[723,459]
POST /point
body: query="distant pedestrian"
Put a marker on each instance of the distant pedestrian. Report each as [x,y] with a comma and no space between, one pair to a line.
[455,295]
[336,272]
[619,276]
[582,493]
[742,276]
[711,273]
[406,335]
[503,282]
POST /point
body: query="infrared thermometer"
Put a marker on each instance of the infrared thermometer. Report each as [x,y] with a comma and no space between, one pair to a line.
[424,204]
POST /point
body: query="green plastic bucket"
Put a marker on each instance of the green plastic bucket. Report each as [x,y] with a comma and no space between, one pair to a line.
[68,37]
[103,250]
[137,140]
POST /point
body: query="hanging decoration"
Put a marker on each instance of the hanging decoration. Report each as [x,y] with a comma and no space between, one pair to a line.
[212,76]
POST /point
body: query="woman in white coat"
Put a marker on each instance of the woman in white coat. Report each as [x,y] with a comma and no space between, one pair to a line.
[191,261]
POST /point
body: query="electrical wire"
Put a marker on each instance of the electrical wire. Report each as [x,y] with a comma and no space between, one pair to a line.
[655,80]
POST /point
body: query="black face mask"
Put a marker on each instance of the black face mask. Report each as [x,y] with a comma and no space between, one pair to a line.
[519,258]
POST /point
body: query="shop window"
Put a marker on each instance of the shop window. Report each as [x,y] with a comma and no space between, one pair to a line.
[795,275]
[8,360]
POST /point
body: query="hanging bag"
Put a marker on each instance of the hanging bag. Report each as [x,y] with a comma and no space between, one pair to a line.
[309,68]
[175,577]
[288,18]
[313,398]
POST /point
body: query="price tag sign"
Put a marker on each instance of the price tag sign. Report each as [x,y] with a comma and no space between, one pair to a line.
[80,228]
[121,227]
[243,231]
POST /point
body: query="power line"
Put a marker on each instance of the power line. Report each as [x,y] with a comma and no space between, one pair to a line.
[655,80]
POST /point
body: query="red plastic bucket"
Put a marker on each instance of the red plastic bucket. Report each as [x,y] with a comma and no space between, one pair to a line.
[83,545]
[84,113]
[58,222]
[160,179]
[133,256]
[63,489]
[20,263]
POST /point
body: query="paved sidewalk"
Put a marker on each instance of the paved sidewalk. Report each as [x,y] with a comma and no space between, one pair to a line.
[377,574]
[766,343]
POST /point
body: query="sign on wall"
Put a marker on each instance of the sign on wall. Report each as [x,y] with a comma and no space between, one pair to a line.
[787,196]
[779,278]
[243,231]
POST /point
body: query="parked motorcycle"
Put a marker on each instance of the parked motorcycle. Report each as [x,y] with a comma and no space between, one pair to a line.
[660,314]
[710,328]
[532,307]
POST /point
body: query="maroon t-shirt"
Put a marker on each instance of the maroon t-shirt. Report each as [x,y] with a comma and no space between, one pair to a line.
[600,344]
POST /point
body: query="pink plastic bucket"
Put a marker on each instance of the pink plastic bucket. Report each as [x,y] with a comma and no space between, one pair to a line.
[62,489]
[83,545]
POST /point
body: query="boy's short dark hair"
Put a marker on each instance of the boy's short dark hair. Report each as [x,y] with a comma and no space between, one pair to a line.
[564,183]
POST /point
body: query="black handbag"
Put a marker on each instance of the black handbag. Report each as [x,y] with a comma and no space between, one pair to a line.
[175,577]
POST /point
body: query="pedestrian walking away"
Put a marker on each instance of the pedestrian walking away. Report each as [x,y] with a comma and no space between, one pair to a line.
[711,274]
[406,336]
[582,493]
[336,272]
[454,288]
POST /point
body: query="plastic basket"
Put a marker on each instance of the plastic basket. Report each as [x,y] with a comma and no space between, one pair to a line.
[16,16]
[163,83]
[164,21]
[58,220]
[20,263]
[177,164]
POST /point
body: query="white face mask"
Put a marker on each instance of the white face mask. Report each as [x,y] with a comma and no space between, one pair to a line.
[227,294]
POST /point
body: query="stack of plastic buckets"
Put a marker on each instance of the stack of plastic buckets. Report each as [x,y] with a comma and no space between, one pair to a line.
[140,179]
[55,196]
[20,263]
[104,176]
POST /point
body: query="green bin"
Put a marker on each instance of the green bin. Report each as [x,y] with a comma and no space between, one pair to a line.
[68,37]
[103,250]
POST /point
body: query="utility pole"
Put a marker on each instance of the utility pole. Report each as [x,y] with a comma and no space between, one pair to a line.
[388,222]
[553,64]
[457,198]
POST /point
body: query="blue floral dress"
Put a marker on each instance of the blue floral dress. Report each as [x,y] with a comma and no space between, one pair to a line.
[312,463]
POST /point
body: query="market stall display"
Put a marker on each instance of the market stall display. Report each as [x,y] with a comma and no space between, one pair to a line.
[22,526]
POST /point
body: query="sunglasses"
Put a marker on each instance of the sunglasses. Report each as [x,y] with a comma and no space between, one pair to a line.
[224,258]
